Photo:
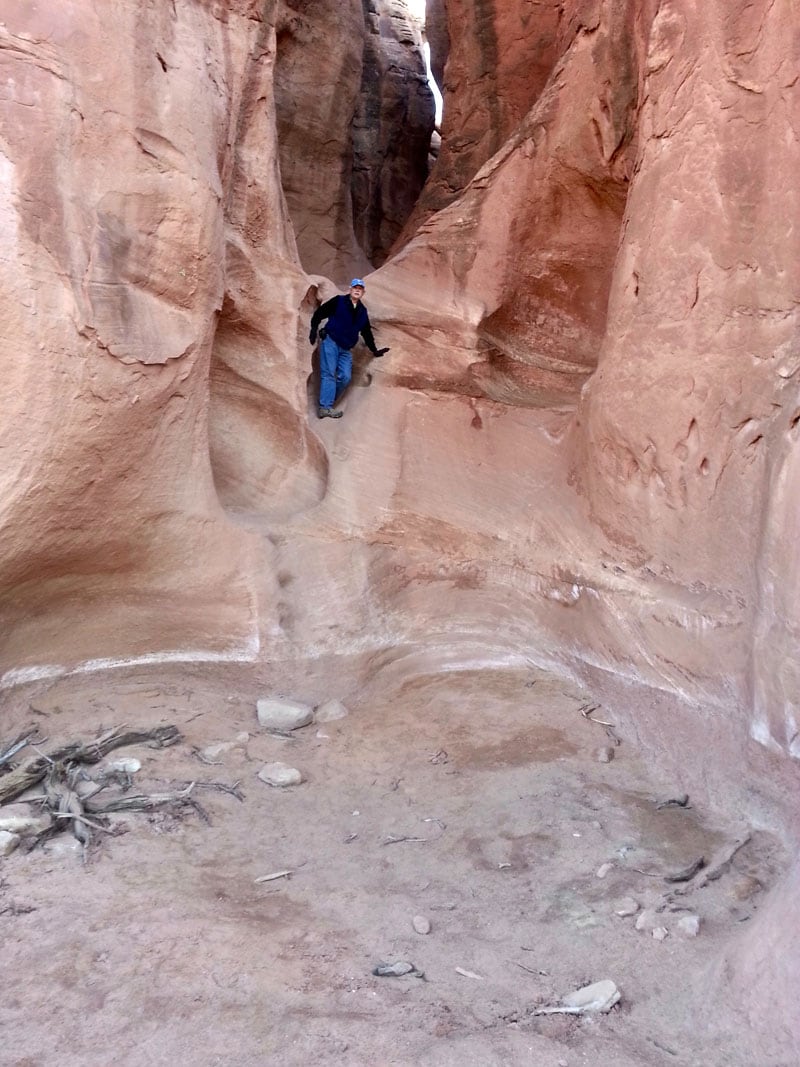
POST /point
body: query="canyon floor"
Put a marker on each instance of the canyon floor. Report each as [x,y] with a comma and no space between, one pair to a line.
[163,948]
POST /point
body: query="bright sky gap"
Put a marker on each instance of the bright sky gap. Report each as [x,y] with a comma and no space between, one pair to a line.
[417,9]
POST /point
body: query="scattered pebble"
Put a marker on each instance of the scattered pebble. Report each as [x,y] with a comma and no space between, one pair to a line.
[604,869]
[599,996]
[129,765]
[469,974]
[626,907]
[421,924]
[280,775]
[647,920]
[590,999]
[283,714]
[330,711]
[660,933]
[397,970]
[16,819]
[213,752]
[8,842]
[689,926]
[605,754]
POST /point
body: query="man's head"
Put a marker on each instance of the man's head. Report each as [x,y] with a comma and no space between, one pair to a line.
[356,289]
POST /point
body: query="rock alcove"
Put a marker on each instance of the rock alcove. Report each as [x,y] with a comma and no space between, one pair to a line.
[573,482]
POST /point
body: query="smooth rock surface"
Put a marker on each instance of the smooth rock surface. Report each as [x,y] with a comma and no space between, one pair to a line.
[280,775]
[597,997]
[421,924]
[127,765]
[220,748]
[278,714]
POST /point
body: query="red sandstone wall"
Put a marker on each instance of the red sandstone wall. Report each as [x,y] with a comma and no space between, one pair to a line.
[616,189]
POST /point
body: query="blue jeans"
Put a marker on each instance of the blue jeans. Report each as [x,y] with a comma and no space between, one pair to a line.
[335,371]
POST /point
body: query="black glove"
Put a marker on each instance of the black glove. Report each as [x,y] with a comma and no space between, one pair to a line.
[380,352]
[312,337]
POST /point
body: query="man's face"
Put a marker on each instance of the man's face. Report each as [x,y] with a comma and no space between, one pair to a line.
[356,292]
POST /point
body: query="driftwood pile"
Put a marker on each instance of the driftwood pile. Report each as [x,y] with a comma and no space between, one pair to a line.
[79,801]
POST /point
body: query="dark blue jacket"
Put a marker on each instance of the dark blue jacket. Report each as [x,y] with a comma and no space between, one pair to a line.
[345,322]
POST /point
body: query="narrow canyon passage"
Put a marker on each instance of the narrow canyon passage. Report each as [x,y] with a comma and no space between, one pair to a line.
[545,565]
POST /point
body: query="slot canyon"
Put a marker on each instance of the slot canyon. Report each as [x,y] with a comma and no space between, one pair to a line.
[535,596]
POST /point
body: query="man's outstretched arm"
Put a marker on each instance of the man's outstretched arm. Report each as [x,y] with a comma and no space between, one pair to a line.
[369,341]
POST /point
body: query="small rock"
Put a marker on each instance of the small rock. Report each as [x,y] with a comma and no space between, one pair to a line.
[626,907]
[599,996]
[330,711]
[213,752]
[16,819]
[280,775]
[283,714]
[689,926]
[421,924]
[605,754]
[648,920]
[660,933]
[8,842]
[129,765]
[745,888]
[397,970]
[603,870]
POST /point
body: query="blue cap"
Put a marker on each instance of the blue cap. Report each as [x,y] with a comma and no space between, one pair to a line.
[355,282]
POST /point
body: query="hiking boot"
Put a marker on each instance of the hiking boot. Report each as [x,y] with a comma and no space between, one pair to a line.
[329,413]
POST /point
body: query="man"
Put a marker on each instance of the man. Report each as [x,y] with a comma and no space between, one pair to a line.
[347,318]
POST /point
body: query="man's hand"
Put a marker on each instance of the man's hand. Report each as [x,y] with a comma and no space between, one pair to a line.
[380,352]
[312,337]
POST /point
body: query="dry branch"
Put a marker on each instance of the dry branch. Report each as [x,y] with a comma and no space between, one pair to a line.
[21,778]
[16,745]
[717,867]
[140,802]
